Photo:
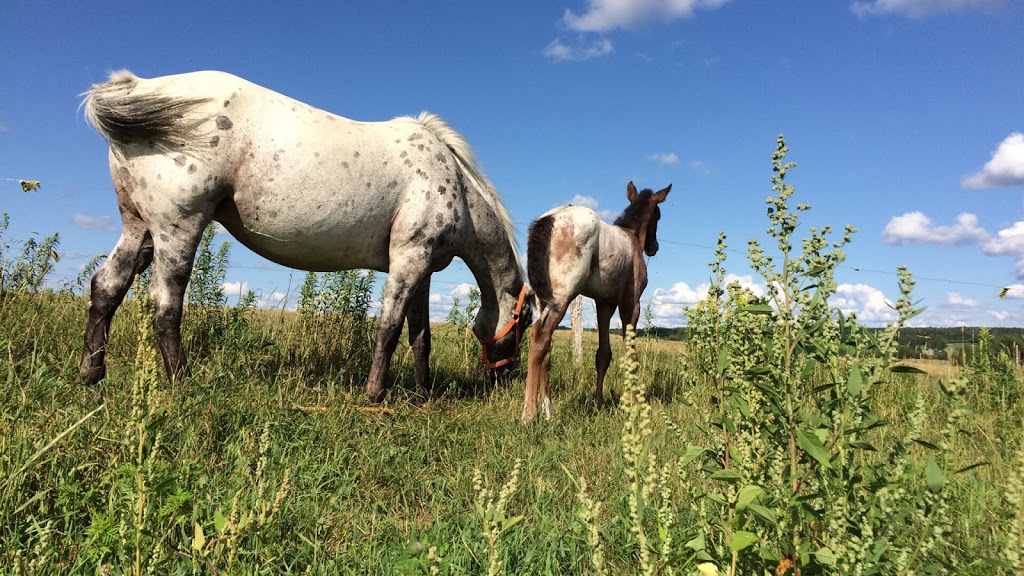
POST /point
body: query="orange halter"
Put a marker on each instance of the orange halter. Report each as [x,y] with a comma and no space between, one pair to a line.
[513,323]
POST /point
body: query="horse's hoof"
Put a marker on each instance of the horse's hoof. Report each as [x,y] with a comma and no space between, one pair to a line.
[549,409]
[529,415]
[375,395]
[91,375]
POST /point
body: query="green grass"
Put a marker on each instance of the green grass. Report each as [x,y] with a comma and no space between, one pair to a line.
[371,491]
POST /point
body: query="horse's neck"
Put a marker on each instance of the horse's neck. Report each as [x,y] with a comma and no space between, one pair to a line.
[489,255]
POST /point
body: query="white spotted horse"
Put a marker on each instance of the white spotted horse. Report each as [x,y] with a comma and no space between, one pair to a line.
[306,189]
[570,251]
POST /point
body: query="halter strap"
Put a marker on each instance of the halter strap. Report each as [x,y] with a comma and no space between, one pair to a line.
[513,323]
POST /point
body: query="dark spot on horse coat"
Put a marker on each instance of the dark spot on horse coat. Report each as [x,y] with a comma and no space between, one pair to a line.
[164,237]
[408,163]
[441,158]
[393,184]
[420,146]
[316,154]
[344,165]
[415,136]
[214,141]
[440,220]
[142,182]
[449,203]
[226,102]
[224,123]
[355,154]
[192,168]
[277,156]
[330,117]
[442,189]
[272,213]
[179,160]
[403,154]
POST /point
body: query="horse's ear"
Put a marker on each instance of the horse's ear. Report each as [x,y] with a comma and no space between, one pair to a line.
[630,191]
[662,194]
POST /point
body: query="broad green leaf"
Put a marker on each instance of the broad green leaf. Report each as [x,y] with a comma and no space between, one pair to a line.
[757,309]
[926,444]
[696,543]
[726,475]
[742,539]
[716,497]
[764,512]
[759,370]
[747,495]
[723,360]
[855,382]
[862,445]
[511,522]
[817,270]
[808,441]
[198,539]
[691,454]
[219,521]
[826,556]
[933,475]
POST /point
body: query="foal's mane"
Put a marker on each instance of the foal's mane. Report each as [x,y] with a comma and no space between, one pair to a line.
[467,162]
[630,217]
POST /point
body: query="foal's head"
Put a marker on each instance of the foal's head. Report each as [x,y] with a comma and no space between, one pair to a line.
[642,215]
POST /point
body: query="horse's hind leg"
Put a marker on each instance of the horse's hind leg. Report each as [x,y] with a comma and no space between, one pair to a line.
[132,255]
[419,336]
[174,253]
[539,367]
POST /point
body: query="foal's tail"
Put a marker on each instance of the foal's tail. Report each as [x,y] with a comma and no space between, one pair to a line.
[123,113]
[538,248]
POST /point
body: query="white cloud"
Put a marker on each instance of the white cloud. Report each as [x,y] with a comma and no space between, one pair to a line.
[915,227]
[1008,242]
[668,304]
[605,15]
[703,168]
[441,302]
[93,222]
[1006,168]
[235,289]
[921,8]
[867,301]
[956,300]
[592,203]
[579,51]
[666,159]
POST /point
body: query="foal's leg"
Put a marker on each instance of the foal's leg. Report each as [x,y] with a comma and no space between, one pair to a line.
[604,348]
[174,254]
[538,371]
[405,277]
[132,254]
[419,336]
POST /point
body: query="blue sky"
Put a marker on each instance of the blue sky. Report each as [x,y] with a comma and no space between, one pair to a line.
[904,117]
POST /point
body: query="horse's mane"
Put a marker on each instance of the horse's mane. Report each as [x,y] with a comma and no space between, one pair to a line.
[467,161]
[630,217]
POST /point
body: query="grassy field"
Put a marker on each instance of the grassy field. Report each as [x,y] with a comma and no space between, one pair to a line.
[268,460]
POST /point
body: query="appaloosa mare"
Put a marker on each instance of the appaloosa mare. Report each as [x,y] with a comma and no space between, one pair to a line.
[304,188]
[571,251]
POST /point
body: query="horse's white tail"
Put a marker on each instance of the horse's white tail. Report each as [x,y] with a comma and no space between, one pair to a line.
[122,114]
[471,169]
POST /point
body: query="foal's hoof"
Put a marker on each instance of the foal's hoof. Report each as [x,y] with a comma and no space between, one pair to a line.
[529,414]
[375,395]
[91,375]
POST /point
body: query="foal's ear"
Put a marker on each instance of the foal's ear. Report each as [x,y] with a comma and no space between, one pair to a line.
[662,194]
[630,191]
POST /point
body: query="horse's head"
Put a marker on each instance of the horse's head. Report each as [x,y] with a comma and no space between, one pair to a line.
[514,316]
[642,215]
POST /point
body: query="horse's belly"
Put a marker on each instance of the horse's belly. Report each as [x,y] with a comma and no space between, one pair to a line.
[323,238]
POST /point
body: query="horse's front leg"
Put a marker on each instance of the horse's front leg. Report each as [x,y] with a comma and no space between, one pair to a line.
[402,282]
[604,348]
[419,336]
